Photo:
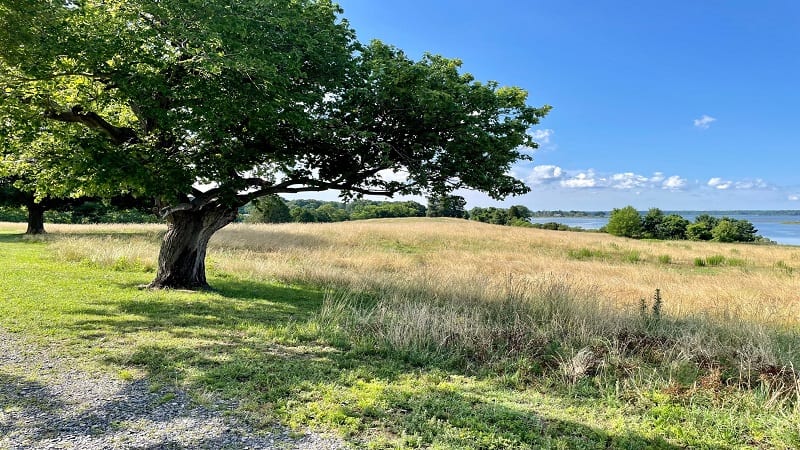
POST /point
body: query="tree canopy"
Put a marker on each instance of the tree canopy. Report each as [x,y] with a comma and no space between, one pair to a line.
[208,105]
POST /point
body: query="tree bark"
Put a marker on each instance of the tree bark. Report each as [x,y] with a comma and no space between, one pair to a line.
[35,218]
[181,261]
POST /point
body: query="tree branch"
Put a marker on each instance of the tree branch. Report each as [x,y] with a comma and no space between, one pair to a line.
[118,135]
[286,187]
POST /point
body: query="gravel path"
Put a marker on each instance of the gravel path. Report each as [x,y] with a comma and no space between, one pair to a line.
[47,403]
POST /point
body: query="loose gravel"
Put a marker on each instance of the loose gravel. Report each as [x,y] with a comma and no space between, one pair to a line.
[48,403]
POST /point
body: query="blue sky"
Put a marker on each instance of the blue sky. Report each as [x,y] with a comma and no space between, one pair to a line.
[677,105]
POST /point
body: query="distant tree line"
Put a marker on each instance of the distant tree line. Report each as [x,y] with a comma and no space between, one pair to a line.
[274,209]
[17,205]
[570,213]
[628,222]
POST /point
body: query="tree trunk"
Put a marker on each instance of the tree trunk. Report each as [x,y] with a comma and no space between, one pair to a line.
[35,218]
[181,261]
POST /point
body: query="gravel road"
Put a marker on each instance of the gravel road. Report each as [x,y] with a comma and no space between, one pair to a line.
[46,402]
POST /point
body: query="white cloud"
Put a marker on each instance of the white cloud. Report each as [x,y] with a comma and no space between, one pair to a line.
[719,183]
[674,183]
[758,183]
[794,197]
[623,181]
[542,136]
[628,180]
[704,122]
[544,174]
[581,180]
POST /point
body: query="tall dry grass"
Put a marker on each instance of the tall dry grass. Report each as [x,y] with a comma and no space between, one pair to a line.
[487,292]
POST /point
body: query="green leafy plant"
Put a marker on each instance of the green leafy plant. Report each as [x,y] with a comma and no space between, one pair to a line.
[651,315]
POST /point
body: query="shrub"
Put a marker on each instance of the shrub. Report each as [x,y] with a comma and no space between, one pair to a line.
[625,222]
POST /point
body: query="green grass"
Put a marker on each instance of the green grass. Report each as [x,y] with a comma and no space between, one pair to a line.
[586,253]
[267,346]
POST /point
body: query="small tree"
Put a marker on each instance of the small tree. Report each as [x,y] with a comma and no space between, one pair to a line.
[700,230]
[447,206]
[733,230]
[672,226]
[725,231]
[651,222]
[519,212]
[269,209]
[625,222]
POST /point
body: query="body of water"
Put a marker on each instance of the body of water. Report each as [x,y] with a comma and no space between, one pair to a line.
[783,229]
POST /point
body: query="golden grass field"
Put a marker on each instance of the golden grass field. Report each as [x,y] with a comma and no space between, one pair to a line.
[757,283]
[752,289]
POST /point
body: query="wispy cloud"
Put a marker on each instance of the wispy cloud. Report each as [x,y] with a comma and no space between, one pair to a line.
[622,181]
[674,183]
[627,180]
[704,122]
[722,184]
[719,183]
[542,136]
[794,197]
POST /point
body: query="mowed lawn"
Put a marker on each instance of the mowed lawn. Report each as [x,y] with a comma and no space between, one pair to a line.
[425,333]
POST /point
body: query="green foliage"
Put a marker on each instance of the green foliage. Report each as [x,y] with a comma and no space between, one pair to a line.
[733,230]
[555,226]
[496,216]
[516,216]
[651,223]
[519,212]
[447,206]
[672,226]
[251,97]
[625,222]
[13,214]
[304,210]
[363,209]
[269,209]
[698,231]
[664,259]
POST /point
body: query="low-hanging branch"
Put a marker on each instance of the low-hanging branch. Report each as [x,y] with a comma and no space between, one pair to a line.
[76,114]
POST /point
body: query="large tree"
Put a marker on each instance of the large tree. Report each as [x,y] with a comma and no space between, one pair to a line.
[207,105]
[10,195]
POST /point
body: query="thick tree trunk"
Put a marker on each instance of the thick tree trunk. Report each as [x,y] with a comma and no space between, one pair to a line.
[35,218]
[181,261]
